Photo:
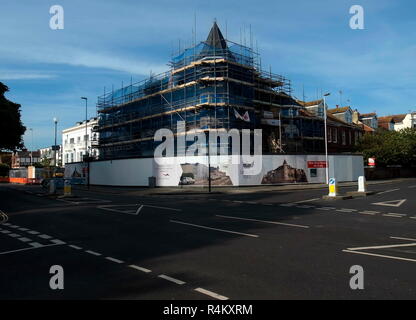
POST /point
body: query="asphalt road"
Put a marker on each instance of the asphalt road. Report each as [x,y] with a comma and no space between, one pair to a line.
[270,245]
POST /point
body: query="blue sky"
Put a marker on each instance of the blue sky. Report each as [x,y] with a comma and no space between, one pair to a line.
[107,42]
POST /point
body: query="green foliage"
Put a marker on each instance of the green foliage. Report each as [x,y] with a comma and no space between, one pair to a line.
[11,127]
[390,147]
[4,170]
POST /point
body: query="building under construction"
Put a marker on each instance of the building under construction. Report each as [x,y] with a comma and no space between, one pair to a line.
[216,84]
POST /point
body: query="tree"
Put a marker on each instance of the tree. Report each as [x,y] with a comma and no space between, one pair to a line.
[390,147]
[11,127]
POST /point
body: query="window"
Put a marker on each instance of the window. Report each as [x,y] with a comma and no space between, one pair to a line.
[344,138]
[335,136]
[86,137]
[349,137]
[329,135]
[71,141]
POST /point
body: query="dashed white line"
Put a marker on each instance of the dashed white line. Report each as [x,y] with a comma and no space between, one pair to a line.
[133,266]
[45,236]
[211,294]
[93,253]
[177,281]
[57,241]
[264,221]
[387,191]
[394,215]
[287,204]
[326,208]
[371,213]
[310,200]
[14,235]
[33,232]
[305,207]
[75,247]
[5,231]
[215,229]
[114,260]
[23,229]
[346,210]
[24,239]
[36,244]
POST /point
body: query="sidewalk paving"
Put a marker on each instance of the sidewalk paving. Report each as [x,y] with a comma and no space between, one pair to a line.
[180,190]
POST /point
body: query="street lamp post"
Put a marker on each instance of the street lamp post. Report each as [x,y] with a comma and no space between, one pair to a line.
[326,141]
[55,120]
[86,128]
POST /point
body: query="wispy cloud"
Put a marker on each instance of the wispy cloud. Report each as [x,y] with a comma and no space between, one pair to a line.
[24,75]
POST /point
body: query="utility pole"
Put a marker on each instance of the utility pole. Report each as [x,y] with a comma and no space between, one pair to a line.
[55,120]
[326,141]
[86,157]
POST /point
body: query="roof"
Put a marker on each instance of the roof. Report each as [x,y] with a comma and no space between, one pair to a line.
[215,38]
[385,119]
[309,103]
[339,110]
[367,115]
[367,128]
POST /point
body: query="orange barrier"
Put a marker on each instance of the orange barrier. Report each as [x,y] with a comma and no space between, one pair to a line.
[4,179]
[18,180]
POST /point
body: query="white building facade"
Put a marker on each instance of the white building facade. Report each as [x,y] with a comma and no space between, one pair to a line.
[48,153]
[408,121]
[78,140]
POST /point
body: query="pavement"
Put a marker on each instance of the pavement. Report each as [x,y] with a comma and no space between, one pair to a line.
[270,243]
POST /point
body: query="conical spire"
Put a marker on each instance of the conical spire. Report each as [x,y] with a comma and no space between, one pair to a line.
[215,38]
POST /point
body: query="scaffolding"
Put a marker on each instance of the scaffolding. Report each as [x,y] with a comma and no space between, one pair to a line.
[206,87]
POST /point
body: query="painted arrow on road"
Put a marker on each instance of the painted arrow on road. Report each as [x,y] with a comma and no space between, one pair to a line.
[391,203]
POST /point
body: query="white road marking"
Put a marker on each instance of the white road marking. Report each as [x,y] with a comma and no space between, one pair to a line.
[287,204]
[23,229]
[412,186]
[133,266]
[114,260]
[384,246]
[215,229]
[45,236]
[26,249]
[394,215]
[93,253]
[7,224]
[264,221]
[180,282]
[310,200]
[33,232]
[400,238]
[380,255]
[13,226]
[24,239]
[326,208]
[139,209]
[372,213]
[387,191]
[237,201]
[165,208]
[14,235]
[391,203]
[346,210]
[5,231]
[36,244]
[75,247]
[57,241]
[211,294]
